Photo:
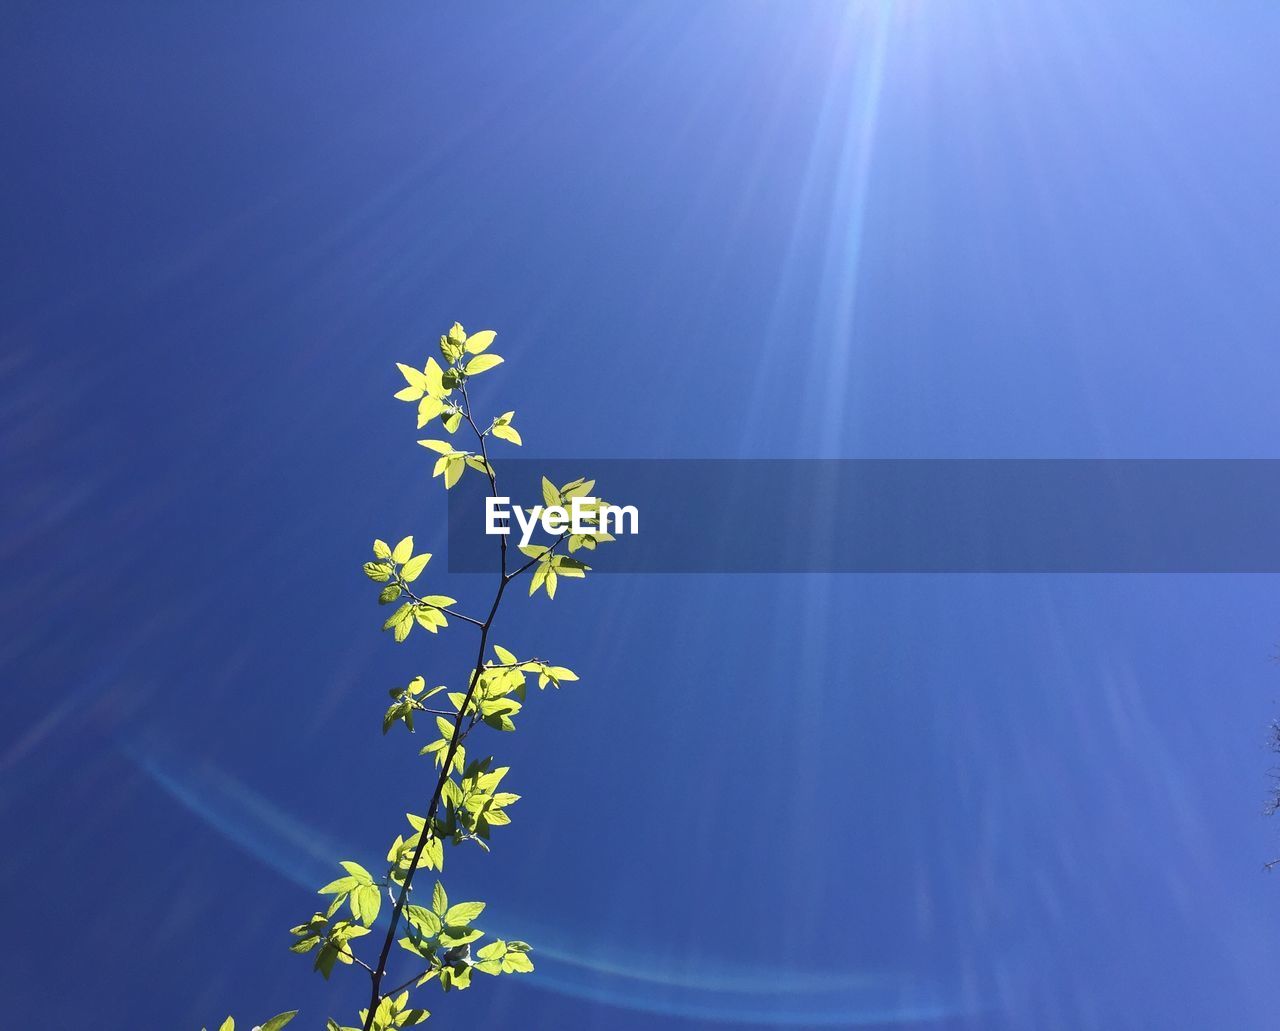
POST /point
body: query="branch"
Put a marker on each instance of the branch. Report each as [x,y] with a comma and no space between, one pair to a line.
[533,561]
[346,951]
[401,987]
[493,478]
[434,712]
[404,586]
[376,995]
[458,615]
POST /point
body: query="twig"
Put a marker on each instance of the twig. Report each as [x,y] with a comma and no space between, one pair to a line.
[376,995]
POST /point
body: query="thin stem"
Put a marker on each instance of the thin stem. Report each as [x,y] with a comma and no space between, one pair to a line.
[464,618]
[533,561]
[434,712]
[493,477]
[346,951]
[401,987]
[404,586]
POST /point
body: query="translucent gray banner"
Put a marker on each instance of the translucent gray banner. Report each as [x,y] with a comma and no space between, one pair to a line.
[907,516]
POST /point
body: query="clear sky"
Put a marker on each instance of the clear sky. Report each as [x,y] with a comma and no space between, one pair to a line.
[1028,228]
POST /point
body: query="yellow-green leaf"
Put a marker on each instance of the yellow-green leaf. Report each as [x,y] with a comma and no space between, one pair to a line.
[433,379]
[461,914]
[414,567]
[428,408]
[379,572]
[503,430]
[453,471]
[416,380]
[481,363]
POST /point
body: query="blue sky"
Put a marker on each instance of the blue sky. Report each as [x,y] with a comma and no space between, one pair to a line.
[733,229]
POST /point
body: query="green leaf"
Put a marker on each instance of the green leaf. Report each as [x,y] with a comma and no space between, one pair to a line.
[455,977]
[414,567]
[357,871]
[451,344]
[429,618]
[463,913]
[455,936]
[370,902]
[402,551]
[503,429]
[439,900]
[427,922]
[453,472]
[403,616]
[433,854]
[381,549]
[378,572]
[442,447]
[428,408]
[279,1021]
[578,488]
[417,383]
[228,1025]
[433,376]
[478,342]
[482,363]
